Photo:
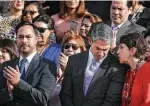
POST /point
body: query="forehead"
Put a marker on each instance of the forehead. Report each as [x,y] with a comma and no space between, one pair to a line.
[25,30]
[119,3]
[32,7]
[40,23]
[86,21]
[72,41]
[101,44]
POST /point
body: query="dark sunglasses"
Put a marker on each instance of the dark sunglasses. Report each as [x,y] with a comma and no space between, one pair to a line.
[42,30]
[29,12]
[68,45]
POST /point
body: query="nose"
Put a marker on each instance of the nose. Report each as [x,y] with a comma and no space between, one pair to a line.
[27,14]
[70,48]
[24,40]
[118,51]
[82,27]
[116,11]
[101,53]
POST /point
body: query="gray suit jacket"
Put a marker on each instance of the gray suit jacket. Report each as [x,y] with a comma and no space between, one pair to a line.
[129,27]
[126,28]
[105,88]
[35,90]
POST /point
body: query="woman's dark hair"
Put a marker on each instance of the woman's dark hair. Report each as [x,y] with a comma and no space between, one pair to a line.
[10,46]
[46,19]
[39,6]
[136,40]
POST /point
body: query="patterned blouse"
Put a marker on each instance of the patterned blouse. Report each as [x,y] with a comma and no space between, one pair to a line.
[7,27]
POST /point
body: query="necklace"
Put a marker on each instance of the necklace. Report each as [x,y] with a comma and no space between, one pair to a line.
[129,85]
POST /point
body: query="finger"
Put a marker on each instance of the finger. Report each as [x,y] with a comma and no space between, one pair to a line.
[7,70]
[12,69]
[17,68]
[6,75]
[62,54]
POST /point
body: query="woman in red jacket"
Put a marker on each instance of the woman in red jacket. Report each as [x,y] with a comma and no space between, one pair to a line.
[136,90]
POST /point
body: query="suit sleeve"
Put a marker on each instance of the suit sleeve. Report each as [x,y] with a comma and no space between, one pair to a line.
[66,94]
[40,94]
[114,90]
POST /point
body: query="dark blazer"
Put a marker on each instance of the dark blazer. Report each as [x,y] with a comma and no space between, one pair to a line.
[35,90]
[105,88]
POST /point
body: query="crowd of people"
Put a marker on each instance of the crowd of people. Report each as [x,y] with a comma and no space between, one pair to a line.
[74,58]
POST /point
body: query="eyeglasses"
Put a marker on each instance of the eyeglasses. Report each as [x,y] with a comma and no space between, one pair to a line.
[68,45]
[41,30]
[29,12]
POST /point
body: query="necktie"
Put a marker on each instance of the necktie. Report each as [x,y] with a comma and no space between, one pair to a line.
[89,75]
[115,30]
[22,68]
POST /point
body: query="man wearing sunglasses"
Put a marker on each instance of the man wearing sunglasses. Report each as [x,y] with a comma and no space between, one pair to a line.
[45,46]
[94,77]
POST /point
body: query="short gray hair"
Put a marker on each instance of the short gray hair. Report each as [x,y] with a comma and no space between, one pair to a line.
[100,30]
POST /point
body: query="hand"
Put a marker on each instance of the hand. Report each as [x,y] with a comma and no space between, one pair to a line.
[63,59]
[12,75]
[10,87]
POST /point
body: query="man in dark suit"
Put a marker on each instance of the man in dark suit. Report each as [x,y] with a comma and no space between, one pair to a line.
[94,77]
[119,12]
[27,83]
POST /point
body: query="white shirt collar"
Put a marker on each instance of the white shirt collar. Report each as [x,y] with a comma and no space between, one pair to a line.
[29,58]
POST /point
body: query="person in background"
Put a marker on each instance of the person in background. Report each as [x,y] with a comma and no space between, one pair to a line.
[69,11]
[27,80]
[132,49]
[71,45]
[140,14]
[8,50]
[45,46]
[147,37]
[87,21]
[119,13]
[11,19]
[31,10]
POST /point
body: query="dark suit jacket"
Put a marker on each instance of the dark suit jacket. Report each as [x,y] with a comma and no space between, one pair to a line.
[35,90]
[105,88]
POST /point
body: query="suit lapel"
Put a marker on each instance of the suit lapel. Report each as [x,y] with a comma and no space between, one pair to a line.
[33,65]
[82,68]
[100,72]
[122,30]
